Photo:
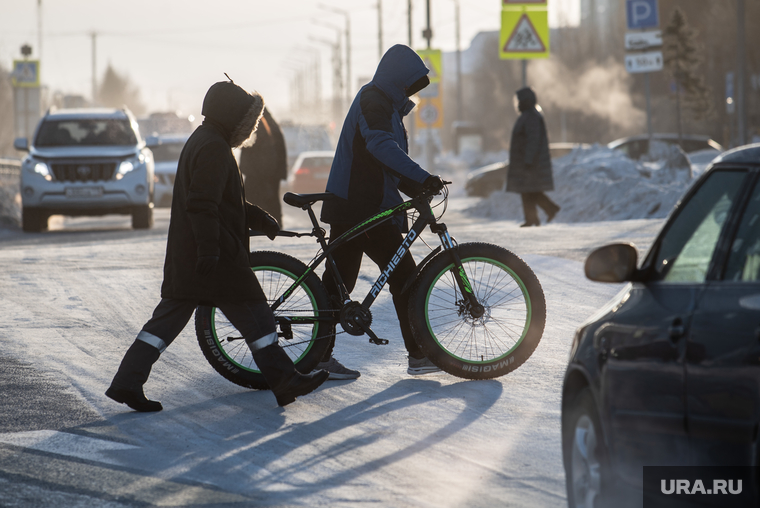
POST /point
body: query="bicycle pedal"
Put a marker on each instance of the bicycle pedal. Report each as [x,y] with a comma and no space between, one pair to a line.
[378,341]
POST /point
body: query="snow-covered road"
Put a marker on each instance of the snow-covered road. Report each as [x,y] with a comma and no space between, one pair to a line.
[71,302]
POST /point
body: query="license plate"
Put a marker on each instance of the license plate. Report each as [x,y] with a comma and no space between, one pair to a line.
[84,192]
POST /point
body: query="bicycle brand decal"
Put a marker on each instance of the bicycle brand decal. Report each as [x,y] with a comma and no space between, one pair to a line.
[402,250]
[465,280]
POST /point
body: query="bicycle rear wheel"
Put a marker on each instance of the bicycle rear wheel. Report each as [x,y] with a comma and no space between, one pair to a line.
[484,347]
[298,327]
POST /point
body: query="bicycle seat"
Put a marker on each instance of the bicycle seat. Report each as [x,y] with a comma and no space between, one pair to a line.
[303,200]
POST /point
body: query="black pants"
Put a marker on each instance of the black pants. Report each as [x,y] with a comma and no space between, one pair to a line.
[529,202]
[252,319]
[380,244]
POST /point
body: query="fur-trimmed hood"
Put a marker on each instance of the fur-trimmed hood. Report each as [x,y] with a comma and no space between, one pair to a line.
[232,110]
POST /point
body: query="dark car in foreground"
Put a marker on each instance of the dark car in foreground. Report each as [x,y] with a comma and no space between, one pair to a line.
[483,181]
[668,372]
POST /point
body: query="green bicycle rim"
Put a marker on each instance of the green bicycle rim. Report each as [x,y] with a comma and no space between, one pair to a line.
[515,277]
[313,333]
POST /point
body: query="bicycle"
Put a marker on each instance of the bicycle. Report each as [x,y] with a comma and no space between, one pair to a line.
[476,310]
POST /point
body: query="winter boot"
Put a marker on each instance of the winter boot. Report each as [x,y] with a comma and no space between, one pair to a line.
[283,378]
[127,384]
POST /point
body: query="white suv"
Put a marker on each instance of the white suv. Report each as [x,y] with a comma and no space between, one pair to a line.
[86,162]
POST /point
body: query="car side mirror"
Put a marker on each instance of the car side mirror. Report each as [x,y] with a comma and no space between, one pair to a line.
[21,144]
[612,263]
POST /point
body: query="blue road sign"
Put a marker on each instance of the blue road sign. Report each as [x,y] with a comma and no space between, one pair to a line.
[641,14]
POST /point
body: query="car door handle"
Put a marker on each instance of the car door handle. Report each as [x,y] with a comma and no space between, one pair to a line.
[676,330]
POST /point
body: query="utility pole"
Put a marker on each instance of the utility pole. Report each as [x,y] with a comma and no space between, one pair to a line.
[459,62]
[741,110]
[429,158]
[39,34]
[347,15]
[379,29]
[94,37]
[337,81]
[409,25]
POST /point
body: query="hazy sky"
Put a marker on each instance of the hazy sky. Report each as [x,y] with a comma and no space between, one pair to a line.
[173,50]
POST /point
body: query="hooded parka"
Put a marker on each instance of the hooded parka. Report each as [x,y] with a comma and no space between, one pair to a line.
[371,160]
[209,215]
[530,163]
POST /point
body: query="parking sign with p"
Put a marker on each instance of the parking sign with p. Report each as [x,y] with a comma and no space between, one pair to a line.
[641,14]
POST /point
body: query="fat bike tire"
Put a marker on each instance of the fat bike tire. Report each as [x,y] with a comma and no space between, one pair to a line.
[488,346]
[223,345]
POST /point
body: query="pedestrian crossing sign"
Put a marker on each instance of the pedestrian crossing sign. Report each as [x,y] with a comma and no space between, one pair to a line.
[432,60]
[26,74]
[524,33]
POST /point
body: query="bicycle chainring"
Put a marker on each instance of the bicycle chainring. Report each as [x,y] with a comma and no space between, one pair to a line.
[353,316]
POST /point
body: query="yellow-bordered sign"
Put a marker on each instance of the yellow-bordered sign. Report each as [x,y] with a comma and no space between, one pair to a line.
[26,74]
[432,59]
[524,33]
[429,113]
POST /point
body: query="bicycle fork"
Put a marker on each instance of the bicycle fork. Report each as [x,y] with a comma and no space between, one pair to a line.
[465,287]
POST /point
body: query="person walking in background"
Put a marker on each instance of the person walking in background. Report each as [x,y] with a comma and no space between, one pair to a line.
[530,163]
[264,164]
[207,256]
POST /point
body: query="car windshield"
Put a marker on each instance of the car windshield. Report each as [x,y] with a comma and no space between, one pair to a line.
[86,132]
[168,152]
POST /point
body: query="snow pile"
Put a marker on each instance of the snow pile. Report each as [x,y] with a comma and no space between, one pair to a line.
[597,183]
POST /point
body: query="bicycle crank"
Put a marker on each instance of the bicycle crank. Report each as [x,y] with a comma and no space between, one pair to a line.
[356,320]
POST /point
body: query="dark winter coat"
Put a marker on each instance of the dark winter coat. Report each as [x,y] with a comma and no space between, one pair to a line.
[209,215]
[530,163]
[264,164]
[371,159]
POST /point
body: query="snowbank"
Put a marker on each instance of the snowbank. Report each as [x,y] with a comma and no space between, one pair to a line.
[597,183]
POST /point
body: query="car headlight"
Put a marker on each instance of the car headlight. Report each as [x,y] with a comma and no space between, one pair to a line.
[43,170]
[124,168]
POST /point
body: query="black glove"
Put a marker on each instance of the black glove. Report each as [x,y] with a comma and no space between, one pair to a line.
[205,265]
[433,183]
[270,226]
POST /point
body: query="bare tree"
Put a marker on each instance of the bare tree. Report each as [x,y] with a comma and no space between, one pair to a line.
[682,56]
[117,90]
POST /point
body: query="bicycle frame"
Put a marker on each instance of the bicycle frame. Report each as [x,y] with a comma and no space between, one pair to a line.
[424,219]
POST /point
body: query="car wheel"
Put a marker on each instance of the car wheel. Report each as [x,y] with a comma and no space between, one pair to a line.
[33,220]
[585,455]
[142,217]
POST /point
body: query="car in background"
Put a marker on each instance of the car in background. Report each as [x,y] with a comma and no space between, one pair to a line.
[305,138]
[483,181]
[310,172]
[668,372]
[635,147]
[86,162]
[166,150]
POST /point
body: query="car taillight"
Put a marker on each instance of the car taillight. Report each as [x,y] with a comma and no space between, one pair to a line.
[303,171]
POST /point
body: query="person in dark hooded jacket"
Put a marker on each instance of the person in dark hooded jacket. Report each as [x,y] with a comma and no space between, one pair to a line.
[530,163]
[371,165]
[207,255]
[264,164]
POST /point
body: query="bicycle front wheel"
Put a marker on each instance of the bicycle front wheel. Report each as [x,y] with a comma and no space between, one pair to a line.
[303,322]
[494,343]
